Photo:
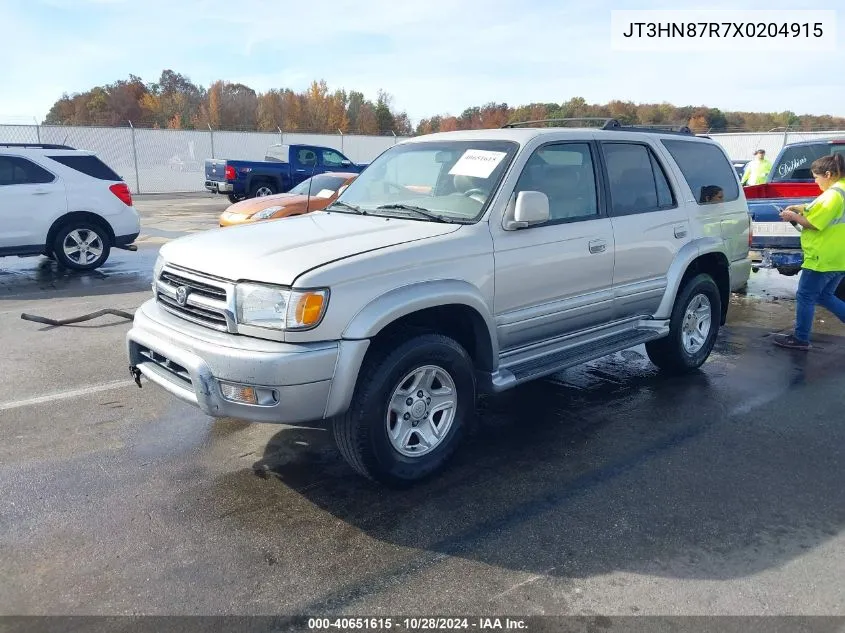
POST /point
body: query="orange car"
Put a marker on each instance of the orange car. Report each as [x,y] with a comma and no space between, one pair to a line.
[325,188]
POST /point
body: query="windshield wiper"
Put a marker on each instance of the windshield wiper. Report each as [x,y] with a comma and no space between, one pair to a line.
[422,211]
[352,207]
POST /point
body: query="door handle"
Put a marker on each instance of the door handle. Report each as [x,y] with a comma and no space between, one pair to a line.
[597,246]
[40,192]
[680,230]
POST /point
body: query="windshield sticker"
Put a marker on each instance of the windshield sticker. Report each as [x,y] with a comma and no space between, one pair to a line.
[790,166]
[324,193]
[477,162]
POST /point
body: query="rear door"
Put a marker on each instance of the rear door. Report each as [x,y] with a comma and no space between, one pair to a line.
[304,163]
[30,198]
[650,225]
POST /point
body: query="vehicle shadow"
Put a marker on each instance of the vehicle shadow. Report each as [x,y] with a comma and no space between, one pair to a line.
[612,467]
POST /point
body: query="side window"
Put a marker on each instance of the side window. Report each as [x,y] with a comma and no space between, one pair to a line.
[564,172]
[19,171]
[89,165]
[307,157]
[332,158]
[638,183]
[709,174]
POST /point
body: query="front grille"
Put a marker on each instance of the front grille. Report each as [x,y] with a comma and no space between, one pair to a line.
[175,372]
[206,303]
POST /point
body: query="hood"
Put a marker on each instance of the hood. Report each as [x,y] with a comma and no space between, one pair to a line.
[278,252]
[254,205]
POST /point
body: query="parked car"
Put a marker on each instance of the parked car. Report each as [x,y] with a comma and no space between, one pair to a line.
[284,167]
[64,203]
[312,194]
[457,263]
[739,166]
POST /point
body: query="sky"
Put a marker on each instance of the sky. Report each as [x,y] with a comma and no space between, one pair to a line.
[441,59]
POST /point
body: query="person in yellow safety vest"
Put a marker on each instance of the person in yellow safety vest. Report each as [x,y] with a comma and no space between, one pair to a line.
[823,242]
[757,169]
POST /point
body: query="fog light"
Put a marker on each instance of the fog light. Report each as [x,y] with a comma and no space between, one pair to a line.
[247,394]
[238,393]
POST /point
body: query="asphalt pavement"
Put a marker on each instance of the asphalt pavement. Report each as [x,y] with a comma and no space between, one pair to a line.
[609,489]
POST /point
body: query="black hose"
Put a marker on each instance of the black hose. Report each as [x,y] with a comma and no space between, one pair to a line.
[85,317]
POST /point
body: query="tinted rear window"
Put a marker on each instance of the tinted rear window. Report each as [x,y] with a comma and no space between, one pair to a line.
[709,174]
[89,165]
[794,163]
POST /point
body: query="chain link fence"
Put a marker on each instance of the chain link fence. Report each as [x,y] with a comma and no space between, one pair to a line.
[173,161]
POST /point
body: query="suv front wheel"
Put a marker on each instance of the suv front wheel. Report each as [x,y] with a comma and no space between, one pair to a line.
[409,410]
[692,328]
[81,245]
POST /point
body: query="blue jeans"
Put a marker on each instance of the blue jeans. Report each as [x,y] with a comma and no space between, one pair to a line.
[816,288]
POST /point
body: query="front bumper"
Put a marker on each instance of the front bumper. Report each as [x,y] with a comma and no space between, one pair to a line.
[216,186]
[298,380]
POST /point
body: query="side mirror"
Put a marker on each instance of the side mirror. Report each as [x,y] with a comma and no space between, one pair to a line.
[345,162]
[532,207]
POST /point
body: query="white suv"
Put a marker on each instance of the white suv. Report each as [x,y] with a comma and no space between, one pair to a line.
[64,203]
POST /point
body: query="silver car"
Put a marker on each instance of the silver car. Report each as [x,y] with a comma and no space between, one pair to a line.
[456,264]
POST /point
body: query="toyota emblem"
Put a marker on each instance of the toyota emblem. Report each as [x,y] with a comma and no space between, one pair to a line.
[182,295]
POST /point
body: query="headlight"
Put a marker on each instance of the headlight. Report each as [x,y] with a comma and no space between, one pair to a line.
[280,308]
[157,270]
[266,213]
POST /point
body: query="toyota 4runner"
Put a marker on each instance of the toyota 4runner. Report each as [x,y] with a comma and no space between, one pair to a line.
[457,263]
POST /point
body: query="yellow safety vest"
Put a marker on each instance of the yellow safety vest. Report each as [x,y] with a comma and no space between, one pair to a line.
[824,248]
[756,172]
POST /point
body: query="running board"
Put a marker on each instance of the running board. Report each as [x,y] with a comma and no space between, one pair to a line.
[575,354]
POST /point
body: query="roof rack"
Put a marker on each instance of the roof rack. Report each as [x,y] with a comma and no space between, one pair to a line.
[613,124]
[605,120]
[36,145]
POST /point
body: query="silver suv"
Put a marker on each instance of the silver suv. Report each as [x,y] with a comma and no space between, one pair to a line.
[457,263]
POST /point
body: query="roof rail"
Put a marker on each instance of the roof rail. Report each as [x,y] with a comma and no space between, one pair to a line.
[36,145]
[609,123]
[585,118]
[643,127]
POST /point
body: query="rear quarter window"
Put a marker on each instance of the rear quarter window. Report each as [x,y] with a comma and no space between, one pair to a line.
[88,165]
[709,174]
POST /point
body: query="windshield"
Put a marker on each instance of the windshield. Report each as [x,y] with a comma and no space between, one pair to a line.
[795,162]
[322,186]
[452,179]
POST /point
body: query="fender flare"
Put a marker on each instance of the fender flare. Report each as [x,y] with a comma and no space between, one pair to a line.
[689,253]
[402,301]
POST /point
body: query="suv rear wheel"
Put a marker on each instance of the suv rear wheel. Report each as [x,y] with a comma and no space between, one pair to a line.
[81,245]
[692,329]
[409,411]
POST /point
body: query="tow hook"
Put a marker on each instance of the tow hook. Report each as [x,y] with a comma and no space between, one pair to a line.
[136,374]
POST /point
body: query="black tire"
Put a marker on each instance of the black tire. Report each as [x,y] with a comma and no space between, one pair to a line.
[361,433]
[669,353]
[840,290]
[262,188]
[93,233]
[233,198]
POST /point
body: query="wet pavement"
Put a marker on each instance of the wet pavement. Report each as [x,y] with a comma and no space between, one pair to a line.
[609,489]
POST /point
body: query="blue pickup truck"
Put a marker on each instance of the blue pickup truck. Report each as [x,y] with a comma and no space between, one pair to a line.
[283,167]
[777,244]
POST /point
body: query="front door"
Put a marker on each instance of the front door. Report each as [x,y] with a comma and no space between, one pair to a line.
[555,278]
